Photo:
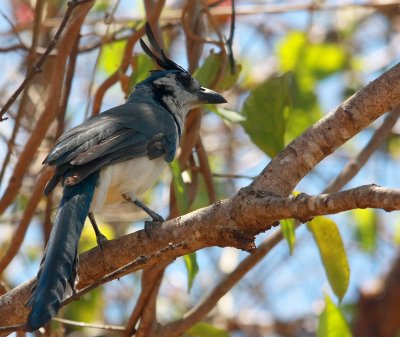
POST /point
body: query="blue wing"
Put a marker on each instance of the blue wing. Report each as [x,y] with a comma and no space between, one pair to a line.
[125,132]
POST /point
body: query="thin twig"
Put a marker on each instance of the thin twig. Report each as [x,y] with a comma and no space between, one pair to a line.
[229,41]
[21,109]
[107,327]
[243,10]
[29,212]
[148,283]
[103,41]
[38,65]
[134,265]
[12,328]
[130,327]
[206,171]
[51,107]
[148,318]
[207,303]
[14,29]
[111,80]
[354,165]
[233,176]
[13,47]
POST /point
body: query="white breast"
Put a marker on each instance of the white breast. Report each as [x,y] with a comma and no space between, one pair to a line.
[132,178]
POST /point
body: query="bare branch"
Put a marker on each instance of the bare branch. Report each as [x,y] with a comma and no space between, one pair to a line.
[150,285]
[91,325]
[249,214]
[67,42]
[14,30]
[13,47]
[29,65]
[110,81]
[148,320]
[332,131]
[19,234]
[208,302]
[38,65]
[354,165]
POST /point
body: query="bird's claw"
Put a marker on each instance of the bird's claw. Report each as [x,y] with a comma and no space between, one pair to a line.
[101,240]
[157,220]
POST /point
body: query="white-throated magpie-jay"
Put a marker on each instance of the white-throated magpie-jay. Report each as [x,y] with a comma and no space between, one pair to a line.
[112,157]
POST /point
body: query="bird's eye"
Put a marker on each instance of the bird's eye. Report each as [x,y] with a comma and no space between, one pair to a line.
[185,80]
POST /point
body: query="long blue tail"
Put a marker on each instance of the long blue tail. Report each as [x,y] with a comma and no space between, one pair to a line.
[59,263]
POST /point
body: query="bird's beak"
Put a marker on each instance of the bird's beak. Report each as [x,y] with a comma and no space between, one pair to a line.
[207,96]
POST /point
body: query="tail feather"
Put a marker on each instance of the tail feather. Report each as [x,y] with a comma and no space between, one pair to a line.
[58,265]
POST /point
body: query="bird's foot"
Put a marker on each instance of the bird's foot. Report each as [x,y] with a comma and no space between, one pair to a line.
[101,240]
[100,237]
[157,220]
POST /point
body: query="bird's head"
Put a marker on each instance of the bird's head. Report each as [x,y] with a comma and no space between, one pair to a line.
[181,89]
[174,85]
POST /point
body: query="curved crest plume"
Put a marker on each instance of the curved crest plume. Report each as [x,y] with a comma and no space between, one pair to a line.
[162,60]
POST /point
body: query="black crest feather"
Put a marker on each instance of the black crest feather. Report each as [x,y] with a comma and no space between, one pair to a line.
[162,60]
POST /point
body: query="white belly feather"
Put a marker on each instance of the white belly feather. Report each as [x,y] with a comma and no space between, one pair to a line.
[132,178]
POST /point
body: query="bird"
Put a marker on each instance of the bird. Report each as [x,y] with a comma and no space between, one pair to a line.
[112,157]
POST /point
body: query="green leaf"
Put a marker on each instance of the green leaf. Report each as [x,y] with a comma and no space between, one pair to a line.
[229,79]
[266,111]
[101,6]
[22,202]
[206,330]
[296,53]
[228,115]
[290,50]
[304,112]
[309,62]
[366,228]
[288,230]
[209,70]
[332,322]
[142,65]
[111,56]
[179,187]
[325,59]
[88,238]
[393,146]
[192,268]
[396,236]
[332,252]
[89,308]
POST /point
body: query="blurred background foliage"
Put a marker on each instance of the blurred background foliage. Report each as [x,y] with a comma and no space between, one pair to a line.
[294,62]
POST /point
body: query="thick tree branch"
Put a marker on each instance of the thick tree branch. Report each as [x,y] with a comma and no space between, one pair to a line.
[232,222]
[286,170]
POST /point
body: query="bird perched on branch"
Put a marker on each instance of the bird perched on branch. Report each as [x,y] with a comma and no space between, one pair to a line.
[112,157]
